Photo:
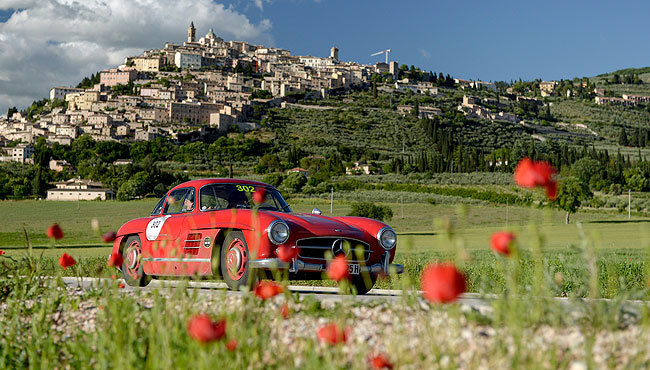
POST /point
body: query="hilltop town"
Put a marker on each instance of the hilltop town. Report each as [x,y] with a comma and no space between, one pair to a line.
[205,81]
[204,87]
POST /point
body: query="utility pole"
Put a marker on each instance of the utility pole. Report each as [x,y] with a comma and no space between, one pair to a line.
[629,203]
[332,202]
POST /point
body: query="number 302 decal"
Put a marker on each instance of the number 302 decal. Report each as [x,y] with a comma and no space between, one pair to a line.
[246,188]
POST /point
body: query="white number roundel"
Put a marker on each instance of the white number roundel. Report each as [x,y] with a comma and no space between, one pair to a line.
[154,226]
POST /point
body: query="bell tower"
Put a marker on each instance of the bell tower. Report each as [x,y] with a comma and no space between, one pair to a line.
[191,33]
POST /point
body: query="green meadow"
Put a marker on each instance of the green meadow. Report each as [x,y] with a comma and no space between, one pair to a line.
[421,226]
[426,233]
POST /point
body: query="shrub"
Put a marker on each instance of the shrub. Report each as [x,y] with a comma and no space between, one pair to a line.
[274,179]
[370,210]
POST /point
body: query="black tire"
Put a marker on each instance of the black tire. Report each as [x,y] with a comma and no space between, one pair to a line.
[236,273]
[362,284]
[132,270]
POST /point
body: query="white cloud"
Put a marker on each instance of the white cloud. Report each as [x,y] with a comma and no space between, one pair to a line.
[58,42]
[425,54]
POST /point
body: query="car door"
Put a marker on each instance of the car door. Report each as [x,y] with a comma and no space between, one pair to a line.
[167,231]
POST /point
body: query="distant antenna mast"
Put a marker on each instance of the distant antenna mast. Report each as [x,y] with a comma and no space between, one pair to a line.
[380,52]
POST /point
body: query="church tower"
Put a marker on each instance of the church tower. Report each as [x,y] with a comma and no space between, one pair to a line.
[191,33]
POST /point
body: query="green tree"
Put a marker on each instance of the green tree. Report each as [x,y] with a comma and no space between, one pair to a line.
[270,162]
[42,153]
[587,170]
[128,190]
[39,184]
[571,193]
[11,112]
[622,138]
[294,181]
[274,179]
[635,180]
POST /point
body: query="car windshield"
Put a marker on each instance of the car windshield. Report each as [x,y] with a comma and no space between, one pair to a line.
[239,196]
[158,208]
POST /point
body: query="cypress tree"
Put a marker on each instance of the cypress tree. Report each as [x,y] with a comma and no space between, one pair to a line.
[622,138]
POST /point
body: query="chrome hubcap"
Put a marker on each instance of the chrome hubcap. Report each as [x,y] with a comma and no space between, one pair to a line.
[234,259]
[132,258]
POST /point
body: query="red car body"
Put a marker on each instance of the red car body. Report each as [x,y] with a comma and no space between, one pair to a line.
[225,232]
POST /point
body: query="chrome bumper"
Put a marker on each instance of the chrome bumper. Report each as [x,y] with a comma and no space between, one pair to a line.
[297,265]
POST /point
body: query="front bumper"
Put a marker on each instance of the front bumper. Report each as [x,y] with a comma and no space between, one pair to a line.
[297,265]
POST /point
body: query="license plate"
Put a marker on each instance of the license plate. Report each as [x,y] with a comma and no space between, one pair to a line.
[354,269]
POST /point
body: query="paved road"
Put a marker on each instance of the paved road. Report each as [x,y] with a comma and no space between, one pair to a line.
[468,301]
[472,300]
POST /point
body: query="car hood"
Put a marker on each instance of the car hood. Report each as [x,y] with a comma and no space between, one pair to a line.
[319,224]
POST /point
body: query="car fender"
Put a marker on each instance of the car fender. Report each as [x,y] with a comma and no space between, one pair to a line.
[370,226]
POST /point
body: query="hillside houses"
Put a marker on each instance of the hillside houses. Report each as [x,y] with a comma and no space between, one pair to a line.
[617,101]
[472,108]
[204,82]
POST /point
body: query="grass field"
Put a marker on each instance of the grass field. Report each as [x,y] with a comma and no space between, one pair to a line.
[425,232]
[419,224]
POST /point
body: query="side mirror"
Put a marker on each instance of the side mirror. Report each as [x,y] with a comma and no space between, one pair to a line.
[316,211]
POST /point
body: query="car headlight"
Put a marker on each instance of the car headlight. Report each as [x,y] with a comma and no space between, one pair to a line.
[387,238]
[278,232]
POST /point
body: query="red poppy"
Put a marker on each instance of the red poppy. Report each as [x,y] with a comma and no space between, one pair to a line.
[259,196]
[2,252]
[203,330]
[551,190]
[121,286]
[231,345]
[501,242]
[66,261]
[286,253]
[380,361]
[115,260]
[442,283]
[531,174]
[113,277]
[268,289]
[109,237]
[338,269]
[332,334]
[285,312]
[55,232]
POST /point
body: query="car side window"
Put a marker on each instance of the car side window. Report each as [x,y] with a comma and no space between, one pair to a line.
[158,208]
[179,201]
[212,198]
[188,202]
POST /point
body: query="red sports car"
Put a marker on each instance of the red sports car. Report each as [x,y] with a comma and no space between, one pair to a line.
[235,229]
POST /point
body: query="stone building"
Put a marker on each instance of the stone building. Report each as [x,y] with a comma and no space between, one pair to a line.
[79,189]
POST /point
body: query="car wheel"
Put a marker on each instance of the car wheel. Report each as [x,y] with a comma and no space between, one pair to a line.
[132,266]
[234,261]
[363,284]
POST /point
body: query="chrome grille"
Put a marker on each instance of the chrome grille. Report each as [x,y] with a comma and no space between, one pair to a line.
[315,248]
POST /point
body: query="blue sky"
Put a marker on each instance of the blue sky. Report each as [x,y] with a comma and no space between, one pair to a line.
[490,40]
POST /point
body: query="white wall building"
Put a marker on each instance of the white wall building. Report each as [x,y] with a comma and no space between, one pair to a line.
[60,92]
[20,153]
[316,62]
[187,60]
[79,189]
